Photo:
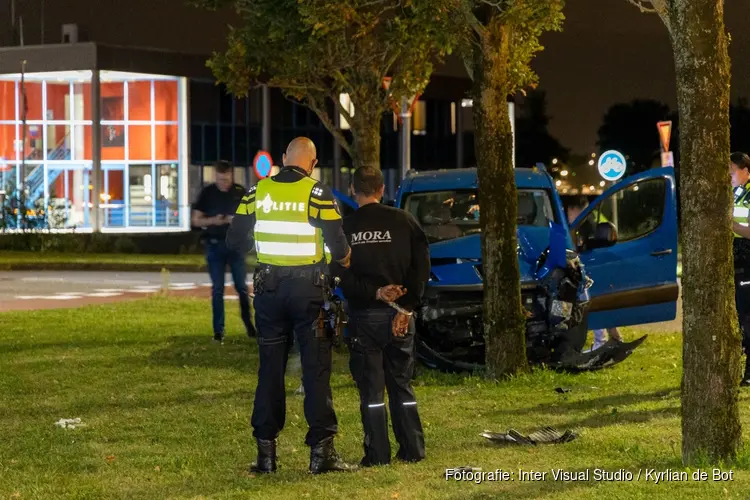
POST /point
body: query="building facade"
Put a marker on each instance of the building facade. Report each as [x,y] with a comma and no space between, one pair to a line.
[112,126]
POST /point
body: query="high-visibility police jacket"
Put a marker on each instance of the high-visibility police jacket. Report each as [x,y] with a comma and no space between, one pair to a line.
[292,218]
[741,208]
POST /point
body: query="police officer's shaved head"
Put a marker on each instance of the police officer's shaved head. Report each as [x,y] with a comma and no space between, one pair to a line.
[368,182]
[301,153]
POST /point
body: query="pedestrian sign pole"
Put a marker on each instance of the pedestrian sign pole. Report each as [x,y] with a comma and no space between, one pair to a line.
[665,134]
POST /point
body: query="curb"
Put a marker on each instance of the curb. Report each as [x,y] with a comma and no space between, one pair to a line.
[101,266]
[108,266]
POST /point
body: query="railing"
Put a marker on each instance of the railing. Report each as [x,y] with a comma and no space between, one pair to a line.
[35,180]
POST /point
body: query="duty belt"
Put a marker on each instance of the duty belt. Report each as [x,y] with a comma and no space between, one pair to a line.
[315,274]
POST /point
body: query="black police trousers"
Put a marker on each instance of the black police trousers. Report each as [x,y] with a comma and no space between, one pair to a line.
[742,301]
[379,361]
[291,309]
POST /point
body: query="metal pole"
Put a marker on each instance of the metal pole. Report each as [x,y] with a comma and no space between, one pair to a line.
[266,126]
[22,187]
[459,135]
[96,151]
[336,150]
[14,34]
[405,137]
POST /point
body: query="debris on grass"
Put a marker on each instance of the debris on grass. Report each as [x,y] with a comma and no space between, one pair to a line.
[545,435]
[69,423]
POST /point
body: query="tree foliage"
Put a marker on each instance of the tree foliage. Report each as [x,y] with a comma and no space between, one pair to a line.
[502,38]
[316,50]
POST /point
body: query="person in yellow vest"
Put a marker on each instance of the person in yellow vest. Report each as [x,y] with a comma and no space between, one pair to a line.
[292,218]
[740,172]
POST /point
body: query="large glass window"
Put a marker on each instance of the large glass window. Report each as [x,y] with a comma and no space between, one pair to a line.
[44,179]
[46,149]
[635,211]
[446,215]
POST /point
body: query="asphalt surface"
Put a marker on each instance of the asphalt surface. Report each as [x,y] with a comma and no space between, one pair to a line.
[26,290]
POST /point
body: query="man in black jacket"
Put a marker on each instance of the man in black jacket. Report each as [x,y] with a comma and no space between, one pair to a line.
[390,266]
[213,211]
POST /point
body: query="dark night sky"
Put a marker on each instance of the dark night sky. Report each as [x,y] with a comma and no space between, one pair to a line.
[608,52]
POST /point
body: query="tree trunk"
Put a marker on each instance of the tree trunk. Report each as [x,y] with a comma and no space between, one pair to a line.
[504,323]
[711,340]
[365,126]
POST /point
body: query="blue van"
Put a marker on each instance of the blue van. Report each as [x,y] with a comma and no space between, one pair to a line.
[616,265]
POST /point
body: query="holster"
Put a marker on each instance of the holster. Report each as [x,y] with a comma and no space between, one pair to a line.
[332,319]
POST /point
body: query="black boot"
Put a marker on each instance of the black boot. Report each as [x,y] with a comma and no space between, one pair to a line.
[266,461]
[323,458]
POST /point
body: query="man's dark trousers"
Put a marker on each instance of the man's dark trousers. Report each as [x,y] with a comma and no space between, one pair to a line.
[290,309]
[379,361]
[742,300]
[218,257]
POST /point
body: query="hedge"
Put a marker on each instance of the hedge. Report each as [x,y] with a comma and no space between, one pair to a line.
[158,244]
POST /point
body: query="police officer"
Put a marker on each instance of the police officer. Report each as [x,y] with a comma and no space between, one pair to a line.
[291,216]
[390,262]
[212,211]
[739,168]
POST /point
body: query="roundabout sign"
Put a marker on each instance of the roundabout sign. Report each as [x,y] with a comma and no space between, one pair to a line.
[612,165]
[262,164]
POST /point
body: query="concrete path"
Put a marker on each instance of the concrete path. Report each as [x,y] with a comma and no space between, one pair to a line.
[27,290]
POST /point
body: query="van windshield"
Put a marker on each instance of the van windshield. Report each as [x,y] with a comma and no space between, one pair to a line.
[446,215]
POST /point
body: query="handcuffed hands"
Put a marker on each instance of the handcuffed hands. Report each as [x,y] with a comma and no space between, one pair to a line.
[346,261]
[222,219]
[390,293]
[400,324]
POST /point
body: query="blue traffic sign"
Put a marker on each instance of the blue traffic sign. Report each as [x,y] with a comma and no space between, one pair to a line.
[262,164]
[612,165]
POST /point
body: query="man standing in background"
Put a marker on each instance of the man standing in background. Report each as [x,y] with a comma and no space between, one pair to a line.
[213,212]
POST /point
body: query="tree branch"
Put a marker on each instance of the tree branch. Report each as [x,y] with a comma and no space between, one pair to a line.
[319,109]
[642,6]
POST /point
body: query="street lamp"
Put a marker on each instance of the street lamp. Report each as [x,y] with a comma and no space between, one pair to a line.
[554,161]
[564,173]
[591,162]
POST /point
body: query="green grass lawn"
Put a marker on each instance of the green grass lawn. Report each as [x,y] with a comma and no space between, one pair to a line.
[167,416]
[54,258]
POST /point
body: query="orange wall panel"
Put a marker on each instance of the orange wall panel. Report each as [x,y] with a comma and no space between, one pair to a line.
[165,96]
[33,101]
[7,100]
[167,142]
[139,142]
[139,100]
[7,138]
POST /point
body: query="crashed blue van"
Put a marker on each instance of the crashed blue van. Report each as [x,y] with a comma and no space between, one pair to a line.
[616,265]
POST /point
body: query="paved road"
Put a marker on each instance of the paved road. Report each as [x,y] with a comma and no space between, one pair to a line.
[46,289]
[49,289]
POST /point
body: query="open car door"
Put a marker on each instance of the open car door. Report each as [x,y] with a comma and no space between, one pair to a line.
[627,241]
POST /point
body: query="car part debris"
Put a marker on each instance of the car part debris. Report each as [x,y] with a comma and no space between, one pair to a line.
[545,435]
[69,423]
[606,356]
[562,390]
